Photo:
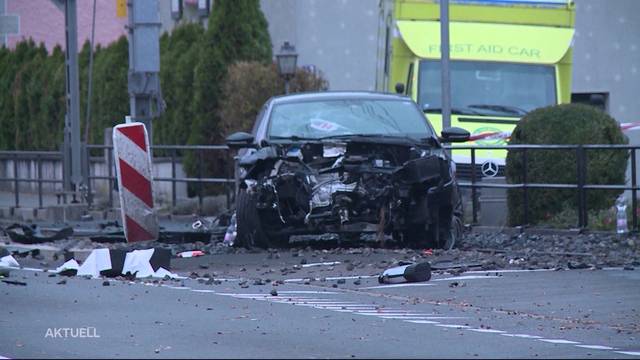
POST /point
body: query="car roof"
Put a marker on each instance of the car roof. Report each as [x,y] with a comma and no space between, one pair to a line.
[337,95]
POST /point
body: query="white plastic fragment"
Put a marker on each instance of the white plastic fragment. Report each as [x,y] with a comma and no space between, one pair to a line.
[8,261]
[69,265]
[138,262]
[99,260]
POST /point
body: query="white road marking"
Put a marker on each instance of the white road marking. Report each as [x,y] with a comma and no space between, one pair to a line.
[467,277]
[453,326]
[559,341]
[179,287]
[487,331]
[398,285]
[330,263]
[330,303]
[27,268]
[349,306]
[506,271]
[307,292]
[596,347]
[524,336]
[329,307]
[203,291]
[411,317]
[632,353]
[388,314]
[389,311]
[422,321]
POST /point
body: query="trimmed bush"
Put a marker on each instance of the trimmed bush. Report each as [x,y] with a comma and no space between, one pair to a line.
[564,124]
[237,31]
[248,85]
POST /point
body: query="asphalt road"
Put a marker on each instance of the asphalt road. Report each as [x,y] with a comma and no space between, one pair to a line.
[523,314]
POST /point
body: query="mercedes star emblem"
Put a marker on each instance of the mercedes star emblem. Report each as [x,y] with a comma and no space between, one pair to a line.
[489,168]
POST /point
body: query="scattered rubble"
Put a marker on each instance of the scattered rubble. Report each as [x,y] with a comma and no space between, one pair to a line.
[31,234]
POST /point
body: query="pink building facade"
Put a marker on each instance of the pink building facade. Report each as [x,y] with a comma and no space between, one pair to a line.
[43,21]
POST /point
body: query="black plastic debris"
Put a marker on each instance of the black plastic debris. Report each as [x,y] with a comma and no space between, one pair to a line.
[31,234]
[161,258]
[13,282]
[577,265]
[117,257]
[406,272]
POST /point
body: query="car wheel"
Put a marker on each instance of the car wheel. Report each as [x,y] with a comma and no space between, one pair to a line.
[250,232]
[451,236]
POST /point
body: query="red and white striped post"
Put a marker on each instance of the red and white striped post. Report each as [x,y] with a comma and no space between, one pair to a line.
[133,169]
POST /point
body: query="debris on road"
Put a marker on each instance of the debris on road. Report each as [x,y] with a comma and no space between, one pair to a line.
[329,263]
[31,234]
[232,232]
[410,272]
[7,262]
[69,268]
[99,260]
[13,282]
[153,262]
[188,254]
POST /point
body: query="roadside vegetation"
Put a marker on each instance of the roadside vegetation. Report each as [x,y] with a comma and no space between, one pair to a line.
[569,124]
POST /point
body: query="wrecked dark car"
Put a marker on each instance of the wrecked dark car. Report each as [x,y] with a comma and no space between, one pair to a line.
[347,164]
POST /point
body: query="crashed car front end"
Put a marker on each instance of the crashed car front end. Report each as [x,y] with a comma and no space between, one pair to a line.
[347,186]
[346,163]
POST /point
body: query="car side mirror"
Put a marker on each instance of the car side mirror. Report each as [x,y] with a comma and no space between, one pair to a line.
[454,134]
[399,88]
[239,140]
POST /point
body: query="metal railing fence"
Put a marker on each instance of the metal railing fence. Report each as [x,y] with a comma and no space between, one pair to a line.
[581,185]
[175,153]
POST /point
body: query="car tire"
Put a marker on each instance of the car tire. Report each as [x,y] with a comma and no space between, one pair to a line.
[250,232]
[450,237]
[456,228]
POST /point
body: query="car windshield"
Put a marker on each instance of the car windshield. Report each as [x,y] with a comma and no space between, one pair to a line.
[317,119]
[488,88]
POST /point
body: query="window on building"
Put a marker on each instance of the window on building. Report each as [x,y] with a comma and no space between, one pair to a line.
[599,100]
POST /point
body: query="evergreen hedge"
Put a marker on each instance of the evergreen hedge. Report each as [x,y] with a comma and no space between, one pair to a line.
[564,124]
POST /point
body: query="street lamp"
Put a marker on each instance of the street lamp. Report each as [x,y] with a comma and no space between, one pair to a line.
[286,60]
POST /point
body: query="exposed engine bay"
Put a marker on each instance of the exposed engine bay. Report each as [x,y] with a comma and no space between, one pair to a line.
[392,186]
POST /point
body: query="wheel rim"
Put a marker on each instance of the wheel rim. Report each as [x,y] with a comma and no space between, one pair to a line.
[455,233]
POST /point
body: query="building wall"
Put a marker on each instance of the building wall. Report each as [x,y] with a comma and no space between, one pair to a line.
[338,37]
[607,54]
[43,21]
